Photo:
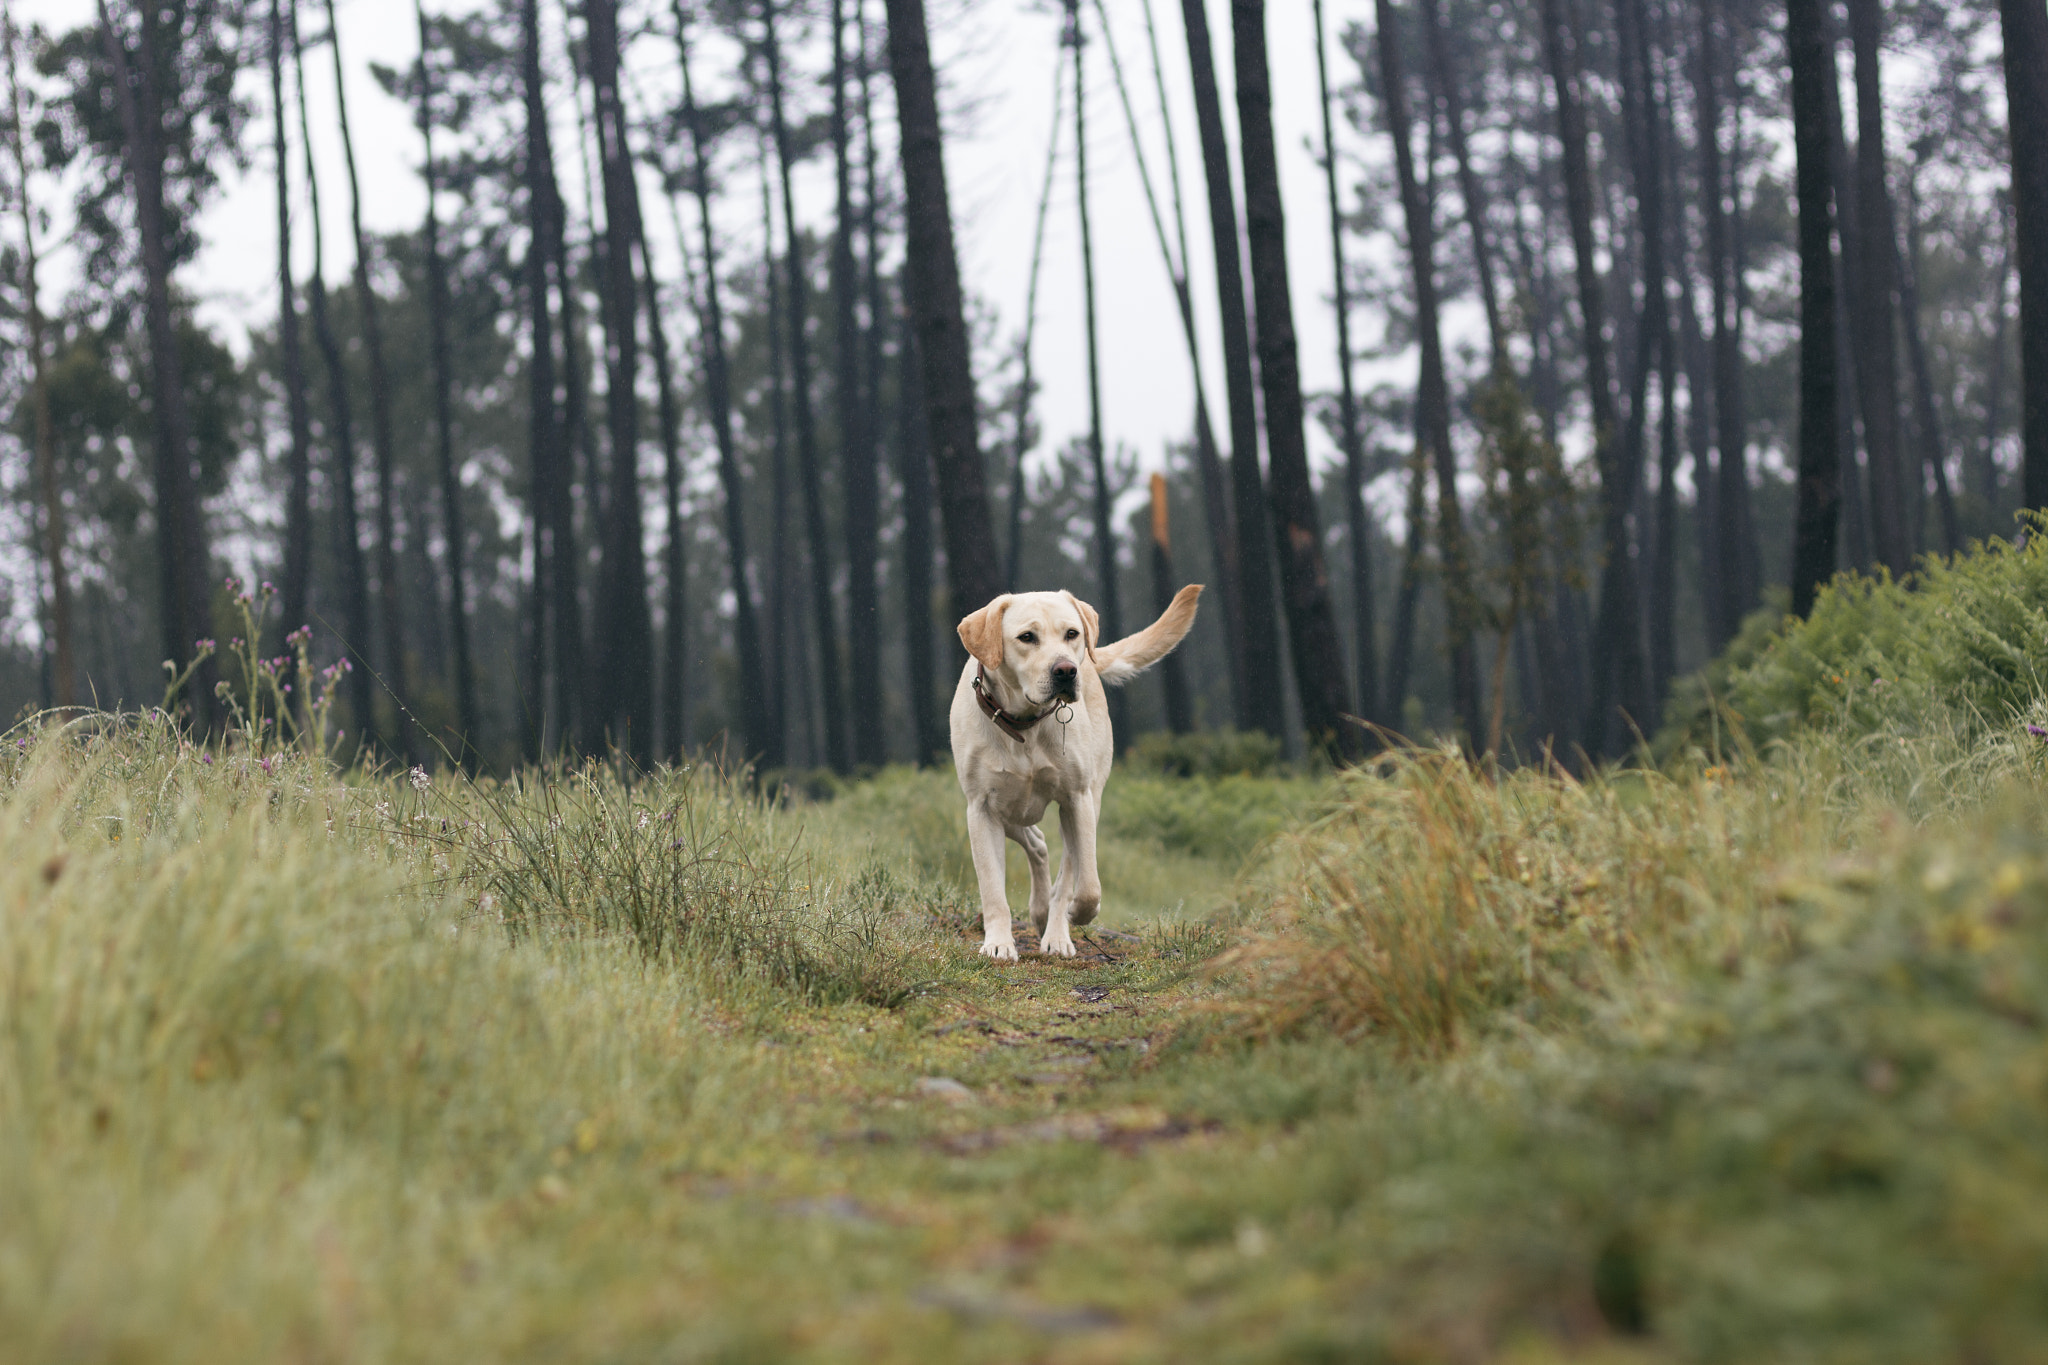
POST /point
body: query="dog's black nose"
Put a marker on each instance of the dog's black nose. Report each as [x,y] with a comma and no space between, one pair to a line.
[1064,674]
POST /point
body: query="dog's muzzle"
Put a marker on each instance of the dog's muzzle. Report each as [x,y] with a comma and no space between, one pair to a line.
[1066,679]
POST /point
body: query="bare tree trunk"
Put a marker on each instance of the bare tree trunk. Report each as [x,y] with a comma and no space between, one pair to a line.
[348,547]
[939,317]
[547,454]
[880,321]
[672,705]
[2025,25]
[914,470]
[1819,492]
[1933,453]
[1105,534]
[388,594]
[1305,582]
[760,726]
[1363,626]
[1733,513]
[298,512]
[184,563]
[1401,654]
[1612,633]
[1215,488]
[1259,701]
[866,743]
[622,707]
[1180,714]
[444,425]
[1663,621]
[838,753]
[1984,467]
[779,584]
[1432,395]
[1026,387]
[1877,333]
[64,685]
[1621,678]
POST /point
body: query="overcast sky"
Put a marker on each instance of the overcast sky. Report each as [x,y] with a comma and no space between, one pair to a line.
[997,61]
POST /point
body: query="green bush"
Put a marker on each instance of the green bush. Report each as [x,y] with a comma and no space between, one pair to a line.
[1962,644]
[1206,753]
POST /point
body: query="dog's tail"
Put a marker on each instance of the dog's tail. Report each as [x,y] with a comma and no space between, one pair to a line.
[1122,660]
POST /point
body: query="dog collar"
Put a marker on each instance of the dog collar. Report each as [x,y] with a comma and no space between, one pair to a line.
[1013,726]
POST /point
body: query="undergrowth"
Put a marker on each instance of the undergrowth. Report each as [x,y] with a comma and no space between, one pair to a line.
[1961,643]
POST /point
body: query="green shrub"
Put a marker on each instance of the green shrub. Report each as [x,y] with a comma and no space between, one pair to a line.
[1206,753]
[1962,643]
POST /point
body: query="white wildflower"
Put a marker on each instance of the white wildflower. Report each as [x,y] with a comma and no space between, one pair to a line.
[420,780]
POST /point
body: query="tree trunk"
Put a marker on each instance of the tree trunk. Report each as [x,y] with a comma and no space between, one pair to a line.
[1736,594]
[1663,614]
[2025,25]
[1180,713]
[1877,332]
[760,728]
[940,319]
[879,320]
[914,470]
[622,709]
[64,685]
[1401,653]
[672,704]
[1432,394]
[1305,582]
[184,564]
[444,427]
[856,449]
[1215,488]
[1613,659]
[388,590]
[1111,604]
[1621,679]
[547,456]
[1984,468]
[1819,492]
[779,584]
[1259,701]
[298,512]
[1362,620]
[1026,387]
[838,753]
[348,547]
[1933,452]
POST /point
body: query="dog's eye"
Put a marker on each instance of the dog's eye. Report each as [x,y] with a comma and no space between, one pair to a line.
[1027,638]
[1073,635]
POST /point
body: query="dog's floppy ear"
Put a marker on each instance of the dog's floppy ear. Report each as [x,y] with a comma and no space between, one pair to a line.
[982,633]
[1091,624]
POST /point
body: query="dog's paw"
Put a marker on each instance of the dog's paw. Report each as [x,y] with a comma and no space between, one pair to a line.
[1001,951]
[1059,944]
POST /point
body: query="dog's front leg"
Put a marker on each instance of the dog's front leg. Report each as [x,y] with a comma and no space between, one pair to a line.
[985,840]
[1032,841]
[1079,894]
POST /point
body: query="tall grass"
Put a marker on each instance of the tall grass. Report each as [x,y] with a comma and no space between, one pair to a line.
[1434,899]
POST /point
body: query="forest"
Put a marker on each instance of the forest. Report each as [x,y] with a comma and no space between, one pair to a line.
[1648,317]
[480,874]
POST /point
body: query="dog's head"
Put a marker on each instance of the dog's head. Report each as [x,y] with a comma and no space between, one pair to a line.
[1034,641]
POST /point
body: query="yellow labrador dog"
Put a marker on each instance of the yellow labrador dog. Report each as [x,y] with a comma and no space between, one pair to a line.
[1031,726]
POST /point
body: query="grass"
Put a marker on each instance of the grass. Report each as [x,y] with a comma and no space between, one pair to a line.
[1718,1064]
